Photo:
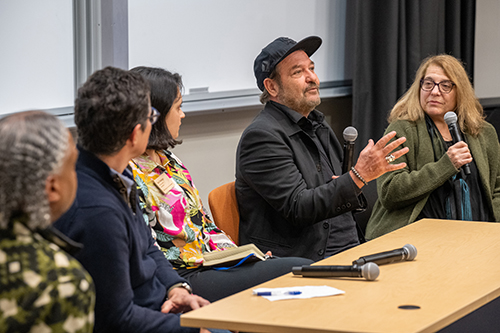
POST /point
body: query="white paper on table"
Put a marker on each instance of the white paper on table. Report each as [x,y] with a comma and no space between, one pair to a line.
[306,292]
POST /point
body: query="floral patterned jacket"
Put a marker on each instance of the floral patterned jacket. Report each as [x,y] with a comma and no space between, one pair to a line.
[173,209]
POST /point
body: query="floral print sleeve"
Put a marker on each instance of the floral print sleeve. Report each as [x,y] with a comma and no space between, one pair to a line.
[173,209]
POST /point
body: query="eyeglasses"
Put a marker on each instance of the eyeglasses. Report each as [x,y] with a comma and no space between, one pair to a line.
[155,114]
[444,86]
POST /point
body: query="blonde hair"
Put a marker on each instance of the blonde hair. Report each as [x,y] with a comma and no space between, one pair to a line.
[469,111]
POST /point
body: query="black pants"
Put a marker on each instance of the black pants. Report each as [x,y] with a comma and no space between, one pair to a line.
[213,284]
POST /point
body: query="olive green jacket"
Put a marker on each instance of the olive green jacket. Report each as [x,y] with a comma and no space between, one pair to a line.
[402,194]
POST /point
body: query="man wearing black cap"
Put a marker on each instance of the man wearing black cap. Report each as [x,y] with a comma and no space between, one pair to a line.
[291,195]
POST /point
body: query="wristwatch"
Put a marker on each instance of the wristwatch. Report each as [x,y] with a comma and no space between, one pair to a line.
[184,285]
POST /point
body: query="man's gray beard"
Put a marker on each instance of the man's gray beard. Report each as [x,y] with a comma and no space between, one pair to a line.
[302,107]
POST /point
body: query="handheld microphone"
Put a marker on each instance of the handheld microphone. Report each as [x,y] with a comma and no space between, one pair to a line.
[450,118]
[350,135]
[407,252]
[370,271]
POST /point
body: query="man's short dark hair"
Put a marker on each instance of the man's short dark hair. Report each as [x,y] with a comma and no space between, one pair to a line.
[164,91]
[108,107]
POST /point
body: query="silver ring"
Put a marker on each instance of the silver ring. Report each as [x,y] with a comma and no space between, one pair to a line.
[390,158]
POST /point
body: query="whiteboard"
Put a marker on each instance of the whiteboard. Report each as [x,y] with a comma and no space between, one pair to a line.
[36,62]
[213,43]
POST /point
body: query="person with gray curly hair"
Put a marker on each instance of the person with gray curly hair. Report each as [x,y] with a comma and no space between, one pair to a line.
[41,286]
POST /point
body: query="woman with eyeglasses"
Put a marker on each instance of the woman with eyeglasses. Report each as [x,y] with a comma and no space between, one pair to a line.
[443,179]
[173,208]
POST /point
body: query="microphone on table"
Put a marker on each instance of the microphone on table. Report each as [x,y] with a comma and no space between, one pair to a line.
[450,118]
[370,271]
[350,135]
[407,252]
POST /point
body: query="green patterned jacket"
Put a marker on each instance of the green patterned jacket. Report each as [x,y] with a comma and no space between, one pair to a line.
[42,288]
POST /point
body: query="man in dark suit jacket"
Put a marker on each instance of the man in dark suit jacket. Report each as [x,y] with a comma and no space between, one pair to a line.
[291,195]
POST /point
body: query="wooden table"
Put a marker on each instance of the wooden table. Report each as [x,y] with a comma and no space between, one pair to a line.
[456,271]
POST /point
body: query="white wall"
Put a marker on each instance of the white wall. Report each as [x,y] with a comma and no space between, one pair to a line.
[487,56]
[36,61]
[213,44]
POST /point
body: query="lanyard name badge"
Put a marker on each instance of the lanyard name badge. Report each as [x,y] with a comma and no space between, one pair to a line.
[164,183]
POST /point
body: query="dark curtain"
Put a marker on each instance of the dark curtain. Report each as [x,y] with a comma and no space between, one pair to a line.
[391,38]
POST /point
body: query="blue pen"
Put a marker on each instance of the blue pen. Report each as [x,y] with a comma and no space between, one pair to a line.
[276,293]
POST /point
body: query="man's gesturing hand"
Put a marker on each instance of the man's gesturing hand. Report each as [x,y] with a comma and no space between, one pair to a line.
[374,159]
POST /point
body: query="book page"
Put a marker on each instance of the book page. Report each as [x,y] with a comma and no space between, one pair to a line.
[232,254]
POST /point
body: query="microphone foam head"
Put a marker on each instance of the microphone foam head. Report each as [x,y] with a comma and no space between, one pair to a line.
[350,134]
[370,271]
[411,250]
[450,117]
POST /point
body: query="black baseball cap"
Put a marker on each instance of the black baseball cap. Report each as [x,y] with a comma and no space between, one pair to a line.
[276,51]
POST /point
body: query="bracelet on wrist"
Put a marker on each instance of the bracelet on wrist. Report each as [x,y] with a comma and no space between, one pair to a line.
[356,173]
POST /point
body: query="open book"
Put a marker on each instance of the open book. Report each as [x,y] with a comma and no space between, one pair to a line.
[233,255]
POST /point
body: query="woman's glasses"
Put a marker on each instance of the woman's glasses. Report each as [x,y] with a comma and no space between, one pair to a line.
[155,114]
[443,86]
